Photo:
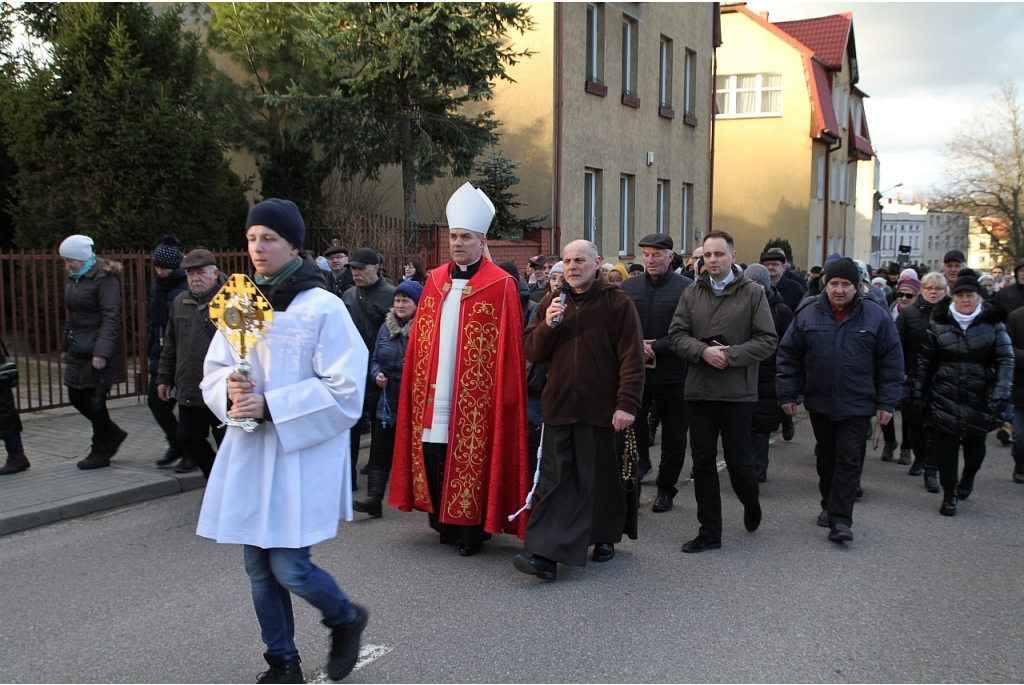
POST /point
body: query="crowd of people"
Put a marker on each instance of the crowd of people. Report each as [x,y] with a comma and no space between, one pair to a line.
[498,402]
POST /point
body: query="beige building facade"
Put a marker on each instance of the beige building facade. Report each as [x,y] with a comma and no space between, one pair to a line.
[791,138]
[610,120]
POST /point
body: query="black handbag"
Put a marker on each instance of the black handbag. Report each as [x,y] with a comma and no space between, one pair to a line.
[8,371]
[81,345]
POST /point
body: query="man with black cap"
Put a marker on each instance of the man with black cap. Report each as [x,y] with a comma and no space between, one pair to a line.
[337,259]
[461,438]
[843,354]
[189,331]
[1011,295]
[656,295]
[792,291]
[952,262]
[368,303]
[168,282]
[282,488]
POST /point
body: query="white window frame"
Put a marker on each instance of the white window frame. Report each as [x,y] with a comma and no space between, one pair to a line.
[625,211]
[665,72]
[593,37]
[690,59]
[821,177]
[842,182]
[686,210]
[832,182]
[590,205]
[730,91]
[629,29]
[661,212]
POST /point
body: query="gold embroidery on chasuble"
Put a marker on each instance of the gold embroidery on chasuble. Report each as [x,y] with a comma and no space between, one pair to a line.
[475,398]
[420,395]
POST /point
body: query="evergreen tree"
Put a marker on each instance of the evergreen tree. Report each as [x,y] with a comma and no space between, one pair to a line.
[399,76]
[115,134]
[497,175]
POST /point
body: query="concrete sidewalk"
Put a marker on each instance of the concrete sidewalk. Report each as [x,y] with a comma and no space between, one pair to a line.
[55,488]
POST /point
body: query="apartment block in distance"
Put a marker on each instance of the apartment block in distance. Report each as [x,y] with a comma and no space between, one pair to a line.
[791,137]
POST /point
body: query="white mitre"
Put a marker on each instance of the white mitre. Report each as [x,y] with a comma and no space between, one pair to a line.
[470,209]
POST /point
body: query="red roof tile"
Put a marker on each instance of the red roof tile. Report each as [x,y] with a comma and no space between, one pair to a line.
[826,36]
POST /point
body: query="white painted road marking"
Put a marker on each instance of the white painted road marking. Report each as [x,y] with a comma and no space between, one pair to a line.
[367,655]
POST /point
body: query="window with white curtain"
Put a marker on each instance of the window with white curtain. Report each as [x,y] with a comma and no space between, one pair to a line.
[625,214]
[665,72]
[590,214]
[593,43]
[686,208]
[749,95]
[661,200]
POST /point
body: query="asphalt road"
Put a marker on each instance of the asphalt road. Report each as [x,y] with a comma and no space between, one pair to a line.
[133,595]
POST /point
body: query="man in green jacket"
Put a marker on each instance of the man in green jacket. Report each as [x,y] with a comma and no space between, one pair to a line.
[723,327]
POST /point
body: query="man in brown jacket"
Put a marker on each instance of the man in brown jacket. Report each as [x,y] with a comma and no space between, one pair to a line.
[188,335]
[723,327]
[593,346]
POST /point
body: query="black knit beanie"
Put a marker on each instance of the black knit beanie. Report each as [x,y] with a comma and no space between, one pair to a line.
[167,255]
[843,268]
[281,216]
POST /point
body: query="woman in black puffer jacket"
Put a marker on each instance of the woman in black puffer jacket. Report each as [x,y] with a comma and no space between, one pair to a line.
[912,324]
[92,344]
[386,365]
[964,373]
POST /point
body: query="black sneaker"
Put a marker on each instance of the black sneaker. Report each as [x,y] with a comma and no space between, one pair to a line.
[172,455]
[840,532]
[186,465]
[345,644]
[281,670]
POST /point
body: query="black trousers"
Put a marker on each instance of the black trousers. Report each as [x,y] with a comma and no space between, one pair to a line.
[922,441]
[840,451]
[434,457]
[671,407]
[370,400]
[163,412]
[947,456]
[731,421]
[382,447]
[759,445]
[194,426]
[92,404]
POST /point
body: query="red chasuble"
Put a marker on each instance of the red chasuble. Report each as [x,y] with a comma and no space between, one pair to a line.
[487,471]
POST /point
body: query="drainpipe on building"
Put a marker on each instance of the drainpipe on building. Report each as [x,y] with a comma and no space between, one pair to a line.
[711,160]
[556,247]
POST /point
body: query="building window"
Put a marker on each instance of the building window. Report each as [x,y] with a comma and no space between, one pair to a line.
[686,209]
[665,73]
[629,53]
[591,216]
[832,182]
[688,83]
[626,187]
[821,177]
[595,55]
[749,95]
[661,204]
[842,182]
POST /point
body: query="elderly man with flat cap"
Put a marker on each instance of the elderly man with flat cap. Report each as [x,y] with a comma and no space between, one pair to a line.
[461,442]
[368,303]
[656,294]
[186,341]
[341,275]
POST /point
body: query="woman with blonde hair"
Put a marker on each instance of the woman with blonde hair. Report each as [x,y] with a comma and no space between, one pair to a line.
[618,273]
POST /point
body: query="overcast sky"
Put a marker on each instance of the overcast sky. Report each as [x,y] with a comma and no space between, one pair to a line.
[928,67]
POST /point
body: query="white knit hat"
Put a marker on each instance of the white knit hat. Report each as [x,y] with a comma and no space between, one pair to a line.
[77,247]
[470,209]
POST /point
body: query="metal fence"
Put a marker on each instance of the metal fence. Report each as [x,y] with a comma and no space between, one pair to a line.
[32,317]
[32,284]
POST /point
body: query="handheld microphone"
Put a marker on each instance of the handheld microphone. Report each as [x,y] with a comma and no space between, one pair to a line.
[563,292]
